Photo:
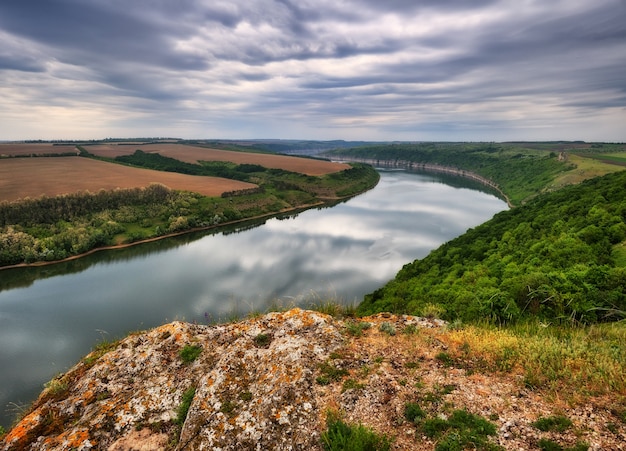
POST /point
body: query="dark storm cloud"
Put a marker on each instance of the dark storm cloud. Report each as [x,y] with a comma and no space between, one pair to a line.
[328,65]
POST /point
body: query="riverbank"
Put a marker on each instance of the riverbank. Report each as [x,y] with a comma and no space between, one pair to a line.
[429,167]
[30,242]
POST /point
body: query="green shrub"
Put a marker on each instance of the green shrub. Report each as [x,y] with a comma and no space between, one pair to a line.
[190,353]
[549,445]
[557,423]
[262,340]
[413,412]
[356,328]
[463,430]
[387,328]
[340,436]
[330,373]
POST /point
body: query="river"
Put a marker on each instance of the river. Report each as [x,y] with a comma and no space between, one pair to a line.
[52,316]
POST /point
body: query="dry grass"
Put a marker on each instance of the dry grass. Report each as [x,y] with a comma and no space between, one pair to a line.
[34,177]
[191,154]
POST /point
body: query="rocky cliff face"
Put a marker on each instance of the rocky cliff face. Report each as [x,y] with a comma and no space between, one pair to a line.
[269,383]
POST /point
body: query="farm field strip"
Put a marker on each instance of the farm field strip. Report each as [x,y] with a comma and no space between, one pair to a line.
[20,150]
[34,177]
[191,154]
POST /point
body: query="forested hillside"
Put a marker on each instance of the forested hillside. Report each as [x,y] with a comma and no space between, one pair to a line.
[520,172]
[561,256]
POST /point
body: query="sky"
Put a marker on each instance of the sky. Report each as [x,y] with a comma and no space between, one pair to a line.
[377,70]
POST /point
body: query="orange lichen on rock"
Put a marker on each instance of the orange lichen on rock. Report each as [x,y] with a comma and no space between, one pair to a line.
[253,393]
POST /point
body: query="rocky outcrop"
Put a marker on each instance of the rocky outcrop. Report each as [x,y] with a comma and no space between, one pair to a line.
[269,382]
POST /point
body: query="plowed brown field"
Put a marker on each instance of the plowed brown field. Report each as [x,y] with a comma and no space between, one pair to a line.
[33,177]
[191,154]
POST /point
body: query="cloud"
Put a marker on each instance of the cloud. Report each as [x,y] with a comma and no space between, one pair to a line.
[325,69]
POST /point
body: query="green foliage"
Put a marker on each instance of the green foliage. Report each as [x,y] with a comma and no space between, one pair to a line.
[520,172]
[2,431]
[340,436]
[262,340]
[189,353]
[351,384]
[551,258]
[413,412]
[387,328]
[462,430]
[557,423]
[183,408]
[330,373]
[356,328]
[549,445]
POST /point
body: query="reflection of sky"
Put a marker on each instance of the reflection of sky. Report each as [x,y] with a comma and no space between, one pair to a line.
[345,252]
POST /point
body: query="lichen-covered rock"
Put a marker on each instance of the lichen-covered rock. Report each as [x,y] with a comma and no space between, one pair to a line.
[253,385]
[268,383]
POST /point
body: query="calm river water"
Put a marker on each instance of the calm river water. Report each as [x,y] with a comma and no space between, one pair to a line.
[52,316]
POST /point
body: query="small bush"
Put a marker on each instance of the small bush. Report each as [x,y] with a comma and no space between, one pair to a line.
[351,384]
[410,329]
[262,340]
[445,358]
[190,353]
[463,430]
[340,436]
[56,387]
[557,423]
[413,412]
[433,311]
[330,373]
[387,328]
[356,328]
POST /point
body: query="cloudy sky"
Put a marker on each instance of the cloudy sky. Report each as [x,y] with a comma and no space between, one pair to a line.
[314,69]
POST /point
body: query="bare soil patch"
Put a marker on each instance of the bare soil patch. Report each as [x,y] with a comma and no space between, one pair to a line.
[34,177]
[19,150]
[192,154]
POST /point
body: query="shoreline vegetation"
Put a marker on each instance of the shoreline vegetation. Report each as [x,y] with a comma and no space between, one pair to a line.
[49,230]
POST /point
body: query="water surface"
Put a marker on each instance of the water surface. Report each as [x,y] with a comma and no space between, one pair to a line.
[52,316]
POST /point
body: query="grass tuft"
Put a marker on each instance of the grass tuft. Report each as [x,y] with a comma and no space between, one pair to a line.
[340,436]
[185,404]
[189,353]
[557,423]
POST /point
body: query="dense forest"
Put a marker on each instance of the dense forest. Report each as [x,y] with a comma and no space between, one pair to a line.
[558,257]
[519,172]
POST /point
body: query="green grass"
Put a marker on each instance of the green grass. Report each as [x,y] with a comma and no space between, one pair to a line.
[330,373]
[462,430]
[549,445]
[413,412]
[183,408]
[557,423]
[262,340]
[356,328]
[341,436]
[190,353]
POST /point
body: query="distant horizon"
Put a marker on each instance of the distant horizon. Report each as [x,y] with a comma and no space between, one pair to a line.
[159,138]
